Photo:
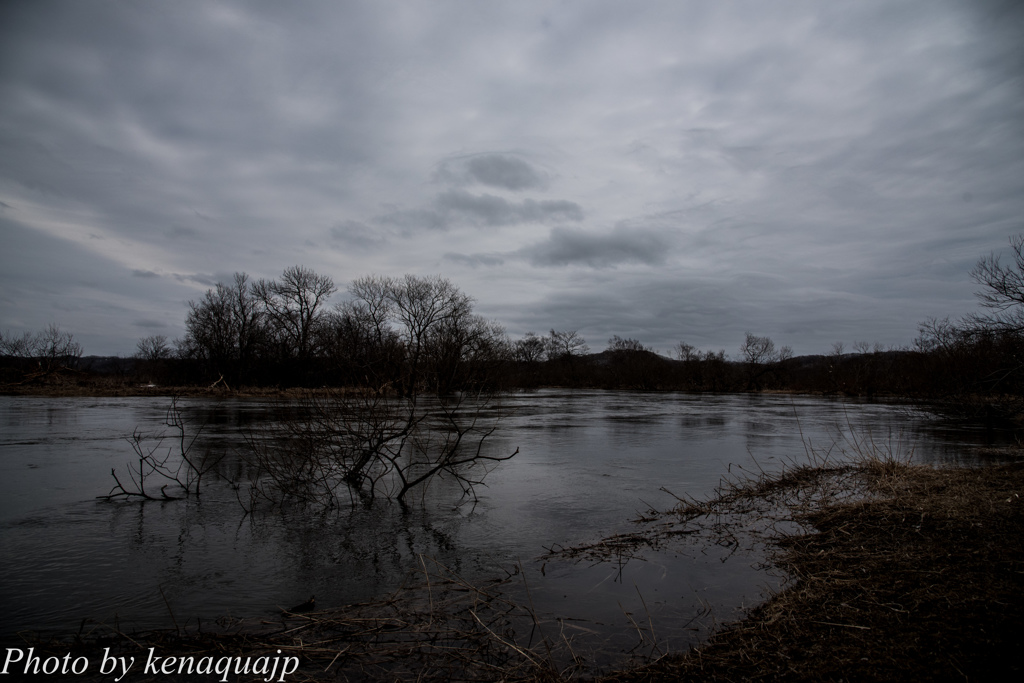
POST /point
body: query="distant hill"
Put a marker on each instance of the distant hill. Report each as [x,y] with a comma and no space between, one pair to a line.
[106,365]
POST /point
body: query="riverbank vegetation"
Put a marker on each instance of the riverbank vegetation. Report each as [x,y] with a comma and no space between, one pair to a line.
[918,575]
[276,336]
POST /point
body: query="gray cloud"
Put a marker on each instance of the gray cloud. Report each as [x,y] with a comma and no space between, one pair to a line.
[474,260]
[488,209]
[182,231]
[144,273]
[577,247]
[204,279]
[358,235]
[410,220]
[459,207]
[501,171]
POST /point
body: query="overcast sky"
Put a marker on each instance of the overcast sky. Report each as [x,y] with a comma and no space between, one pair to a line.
[681,170]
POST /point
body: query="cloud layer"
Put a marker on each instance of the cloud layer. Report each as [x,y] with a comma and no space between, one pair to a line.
[664,171]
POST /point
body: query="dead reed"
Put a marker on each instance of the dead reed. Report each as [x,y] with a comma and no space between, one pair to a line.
[902,572]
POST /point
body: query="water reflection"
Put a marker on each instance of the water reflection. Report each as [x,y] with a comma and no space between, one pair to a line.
[589,462]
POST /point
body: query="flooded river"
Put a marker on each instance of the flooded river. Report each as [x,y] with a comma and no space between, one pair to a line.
[588,463]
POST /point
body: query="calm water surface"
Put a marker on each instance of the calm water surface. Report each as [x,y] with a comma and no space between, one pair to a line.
[588,462]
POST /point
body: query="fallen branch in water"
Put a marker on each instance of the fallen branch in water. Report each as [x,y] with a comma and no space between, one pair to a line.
[183,469]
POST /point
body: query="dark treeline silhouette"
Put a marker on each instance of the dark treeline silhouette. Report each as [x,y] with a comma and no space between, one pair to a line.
[416,334]
[410,333]
[975,363]
[36,357]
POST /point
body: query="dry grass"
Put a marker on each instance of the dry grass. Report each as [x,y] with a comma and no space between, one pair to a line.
[919,576]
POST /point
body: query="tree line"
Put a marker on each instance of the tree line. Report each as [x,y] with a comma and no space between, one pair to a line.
[409,333]
[414,334]
[33,357]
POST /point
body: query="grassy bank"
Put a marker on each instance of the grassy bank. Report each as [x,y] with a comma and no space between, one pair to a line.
[919,576]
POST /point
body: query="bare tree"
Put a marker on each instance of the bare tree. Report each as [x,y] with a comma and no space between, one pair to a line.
[212,326]
[18,347]
[422,306]
[762,358]
[940,335]
[360,350]
[293,306]
[431,318]
[224,329]
[531,348]
[153,348]
[387,440]
[617,343]
[464,351]
[373,305]
[1002,290]
[151,355]
[756,350]
[566,344]
[687,352]
[247,318]
[703,370]
[43,353]
[56,349]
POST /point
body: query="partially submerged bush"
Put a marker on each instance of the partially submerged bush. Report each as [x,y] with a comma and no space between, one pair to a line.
[365,444]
